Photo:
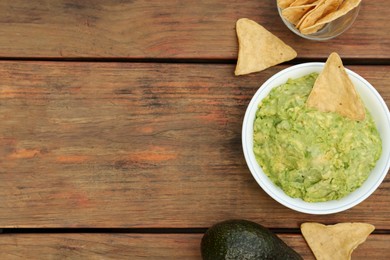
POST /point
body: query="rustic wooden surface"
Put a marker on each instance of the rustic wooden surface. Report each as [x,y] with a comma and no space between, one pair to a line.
[107,145]
[141,246]
[169,29]
[126,115]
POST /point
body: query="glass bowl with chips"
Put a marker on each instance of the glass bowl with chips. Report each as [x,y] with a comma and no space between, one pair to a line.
[377,108]
[318,20]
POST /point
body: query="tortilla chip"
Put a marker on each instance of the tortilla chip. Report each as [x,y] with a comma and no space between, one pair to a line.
[323,8]
[294,13]
[284,3]
[333,91]
[343,9]
[312,29]
[258,48]
[303,2]
[303,18]
[335,241]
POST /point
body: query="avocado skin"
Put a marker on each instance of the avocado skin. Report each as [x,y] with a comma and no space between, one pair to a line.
[244,240]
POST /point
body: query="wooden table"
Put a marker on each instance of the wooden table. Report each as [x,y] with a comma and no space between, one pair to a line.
[120,133]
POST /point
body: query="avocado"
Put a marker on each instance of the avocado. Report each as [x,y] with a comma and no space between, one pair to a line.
[244,240]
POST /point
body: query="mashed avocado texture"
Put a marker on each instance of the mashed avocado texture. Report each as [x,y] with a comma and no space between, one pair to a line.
[312,155]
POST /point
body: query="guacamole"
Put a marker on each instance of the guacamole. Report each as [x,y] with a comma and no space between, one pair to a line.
[312,155]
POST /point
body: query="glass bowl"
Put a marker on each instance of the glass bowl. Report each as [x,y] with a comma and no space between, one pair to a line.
[330,30]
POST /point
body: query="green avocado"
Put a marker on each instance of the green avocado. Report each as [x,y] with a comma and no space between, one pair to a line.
[244,240]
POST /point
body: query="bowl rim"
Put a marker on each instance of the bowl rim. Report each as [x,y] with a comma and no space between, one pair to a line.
[318,208]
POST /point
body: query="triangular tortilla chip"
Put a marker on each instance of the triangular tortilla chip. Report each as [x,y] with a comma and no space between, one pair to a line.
[343,9]
[284,3]
[323,8]
[293,14]
[335,241]
[305,15]
[258,48]
[303,2]
[312,29]
[333,91]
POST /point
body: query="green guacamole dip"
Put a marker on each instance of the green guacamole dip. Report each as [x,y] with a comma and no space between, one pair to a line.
[310,154]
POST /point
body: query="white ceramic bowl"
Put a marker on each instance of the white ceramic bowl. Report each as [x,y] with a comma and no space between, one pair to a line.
[379,112]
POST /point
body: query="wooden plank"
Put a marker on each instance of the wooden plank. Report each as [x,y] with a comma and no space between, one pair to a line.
[139,145]
[168,29]
[149,246]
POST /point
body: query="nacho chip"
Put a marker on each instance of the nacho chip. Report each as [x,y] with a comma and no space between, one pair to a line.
[294,13]
[308,13]
[323,8]
[343,9]
[303,2]
[284,3]
[312,29]
[304,17]
[335,241]
[333,91]
[258,48]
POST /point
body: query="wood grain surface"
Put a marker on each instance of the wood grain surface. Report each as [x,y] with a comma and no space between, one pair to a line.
[169,29]
[107,145]
[146,246]
[126,115]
